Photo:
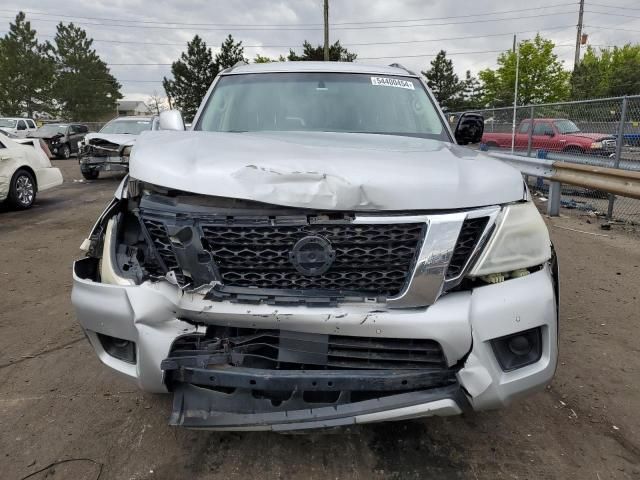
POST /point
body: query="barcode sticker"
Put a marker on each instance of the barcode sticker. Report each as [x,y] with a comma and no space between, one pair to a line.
[392,82]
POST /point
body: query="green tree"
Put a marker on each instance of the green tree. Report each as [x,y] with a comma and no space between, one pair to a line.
[542,77]
[262,59]
[192,76]
[26,71]
[231,52]
[624,73]
[444,83]
[472,92]
[590,79]
[337,53]
[84,87]
[196,69]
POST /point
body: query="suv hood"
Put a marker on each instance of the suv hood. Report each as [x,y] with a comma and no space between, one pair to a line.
[115,138]
[333,171]
[44,136]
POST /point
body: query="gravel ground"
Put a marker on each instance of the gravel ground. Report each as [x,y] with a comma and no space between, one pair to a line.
[57,402]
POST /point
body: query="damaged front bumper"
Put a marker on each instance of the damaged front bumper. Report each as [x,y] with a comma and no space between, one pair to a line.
[217,356]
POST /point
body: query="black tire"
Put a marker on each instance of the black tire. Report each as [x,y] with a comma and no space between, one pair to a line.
[65,152]
[90,174]
[22,192]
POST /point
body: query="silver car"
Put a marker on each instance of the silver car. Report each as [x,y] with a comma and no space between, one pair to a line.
[318,251]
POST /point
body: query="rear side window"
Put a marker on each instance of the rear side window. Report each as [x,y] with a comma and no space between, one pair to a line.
[83,129]
[31,124]
[22,125]
[542,128]
[524,127]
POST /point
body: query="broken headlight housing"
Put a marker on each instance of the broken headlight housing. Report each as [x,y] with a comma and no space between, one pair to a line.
[520,241]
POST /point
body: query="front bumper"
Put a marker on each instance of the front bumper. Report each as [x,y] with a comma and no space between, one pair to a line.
[155,314]
[112,163]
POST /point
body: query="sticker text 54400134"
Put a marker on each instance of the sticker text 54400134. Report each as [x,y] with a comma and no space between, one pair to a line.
[392,82]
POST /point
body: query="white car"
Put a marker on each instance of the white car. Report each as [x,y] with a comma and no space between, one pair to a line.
[109,149]
[18,126]
[25,170]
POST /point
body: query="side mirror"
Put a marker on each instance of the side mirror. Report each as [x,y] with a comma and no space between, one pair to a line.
[171,120]
[469,129]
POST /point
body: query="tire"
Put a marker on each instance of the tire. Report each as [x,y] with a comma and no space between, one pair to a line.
[90,174]
[65,152]
[22,192]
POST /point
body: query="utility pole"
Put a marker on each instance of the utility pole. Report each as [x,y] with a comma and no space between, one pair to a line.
[516,50]
[326,30]
[576,61]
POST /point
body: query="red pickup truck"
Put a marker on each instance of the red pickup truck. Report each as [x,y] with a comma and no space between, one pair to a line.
[554,135]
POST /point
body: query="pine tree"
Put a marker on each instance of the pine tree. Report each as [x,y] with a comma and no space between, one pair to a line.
[230,54]
[192,76]
[443,82]
[85,89]
[26,71]
[337,53]
[472,92]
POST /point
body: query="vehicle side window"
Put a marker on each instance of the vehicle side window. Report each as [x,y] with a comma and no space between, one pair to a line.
[22,125]
[31,124]
[524,127]
[73,129]
[82,129]
[2,145]
[542,128]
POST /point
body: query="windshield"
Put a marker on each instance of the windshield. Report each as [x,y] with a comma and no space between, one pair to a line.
[321,102]
[6,122]
[131,127]
[566,126]
[52,129]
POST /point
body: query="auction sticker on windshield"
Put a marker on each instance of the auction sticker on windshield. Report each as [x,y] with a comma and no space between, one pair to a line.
[392,82]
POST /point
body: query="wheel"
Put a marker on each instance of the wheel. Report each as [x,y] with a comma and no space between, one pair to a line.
[65,152]
[22,192]
[90,174]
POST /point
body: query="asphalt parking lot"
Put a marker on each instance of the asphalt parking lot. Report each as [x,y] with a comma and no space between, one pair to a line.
[57,402]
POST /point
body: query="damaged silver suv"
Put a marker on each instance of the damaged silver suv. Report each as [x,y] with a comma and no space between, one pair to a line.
[319,251]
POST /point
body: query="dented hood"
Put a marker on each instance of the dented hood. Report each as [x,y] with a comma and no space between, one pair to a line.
[334,171]
[116,138]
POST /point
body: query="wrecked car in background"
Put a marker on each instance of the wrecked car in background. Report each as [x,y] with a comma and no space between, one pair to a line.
[318,251]
[109,149]
[62,139]
[25,170]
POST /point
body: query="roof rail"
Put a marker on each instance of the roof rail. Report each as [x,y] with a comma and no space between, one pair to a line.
[237,64]
[399,65]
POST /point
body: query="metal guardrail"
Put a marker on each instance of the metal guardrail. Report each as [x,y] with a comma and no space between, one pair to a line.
[612,180]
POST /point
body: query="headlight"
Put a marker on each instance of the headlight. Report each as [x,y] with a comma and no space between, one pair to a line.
[521,240]
[126,151]
[596,145]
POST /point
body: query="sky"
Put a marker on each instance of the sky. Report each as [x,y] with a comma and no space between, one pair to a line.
[409,32]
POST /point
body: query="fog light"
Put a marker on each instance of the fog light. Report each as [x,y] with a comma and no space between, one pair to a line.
[119,348]
[519,349]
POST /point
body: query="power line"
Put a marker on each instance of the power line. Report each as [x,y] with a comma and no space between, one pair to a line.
[613,14]
[157,22]
[612,28]
[448,54]
[613,6]
[280,29]
[404,42]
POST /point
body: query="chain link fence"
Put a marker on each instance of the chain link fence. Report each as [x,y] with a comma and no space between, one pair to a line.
[603,132]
